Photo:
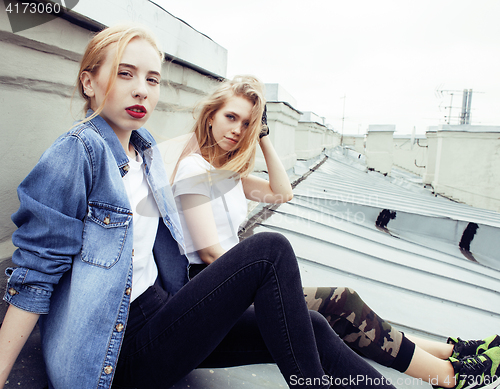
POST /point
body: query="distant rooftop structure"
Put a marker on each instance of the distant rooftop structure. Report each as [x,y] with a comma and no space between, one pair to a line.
[309,116]
[275,92]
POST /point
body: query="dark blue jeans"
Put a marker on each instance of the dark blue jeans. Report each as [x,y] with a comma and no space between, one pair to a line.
[210,323]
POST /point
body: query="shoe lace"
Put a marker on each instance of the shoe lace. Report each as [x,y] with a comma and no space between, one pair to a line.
[472,343]
[474,363]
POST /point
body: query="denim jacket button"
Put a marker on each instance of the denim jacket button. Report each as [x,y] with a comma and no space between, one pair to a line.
[126,168]
[13,292]
[119,327]
[108,369]
[128,291]
[106,220]
[133,252]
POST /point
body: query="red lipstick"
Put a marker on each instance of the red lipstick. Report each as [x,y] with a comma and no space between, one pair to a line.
[137,111]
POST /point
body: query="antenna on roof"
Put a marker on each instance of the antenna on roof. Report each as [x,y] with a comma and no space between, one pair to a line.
[464,117]
[343,117]
[412,140]
[466,103]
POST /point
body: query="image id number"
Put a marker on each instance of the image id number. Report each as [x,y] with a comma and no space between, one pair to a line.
[34,8]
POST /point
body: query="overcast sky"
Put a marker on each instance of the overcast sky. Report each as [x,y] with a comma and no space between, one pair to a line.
[388,57]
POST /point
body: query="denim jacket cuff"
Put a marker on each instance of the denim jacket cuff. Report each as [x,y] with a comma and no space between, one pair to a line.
[25,297]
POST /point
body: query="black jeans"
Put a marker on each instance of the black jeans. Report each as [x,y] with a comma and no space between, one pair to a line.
[210,323]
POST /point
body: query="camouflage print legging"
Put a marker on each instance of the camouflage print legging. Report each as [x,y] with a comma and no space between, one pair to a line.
[360,327]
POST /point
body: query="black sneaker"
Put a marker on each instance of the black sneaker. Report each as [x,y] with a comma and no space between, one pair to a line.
[478,371]
[465,348]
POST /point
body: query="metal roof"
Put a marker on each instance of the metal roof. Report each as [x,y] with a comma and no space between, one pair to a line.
[409,268]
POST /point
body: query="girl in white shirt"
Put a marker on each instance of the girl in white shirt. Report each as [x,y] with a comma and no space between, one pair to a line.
[211,182]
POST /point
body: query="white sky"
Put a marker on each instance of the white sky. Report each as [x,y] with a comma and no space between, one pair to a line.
[389,57]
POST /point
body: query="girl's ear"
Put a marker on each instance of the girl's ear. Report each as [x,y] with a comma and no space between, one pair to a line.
[86,80]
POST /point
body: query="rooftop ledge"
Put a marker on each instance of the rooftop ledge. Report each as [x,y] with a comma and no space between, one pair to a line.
[177,39]
[468,128]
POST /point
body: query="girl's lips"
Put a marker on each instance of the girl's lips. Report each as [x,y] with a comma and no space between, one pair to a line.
[232,140]
[136,111]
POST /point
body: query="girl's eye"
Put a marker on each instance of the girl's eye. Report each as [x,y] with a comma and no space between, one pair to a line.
[154,81]
[125,74]
[230,117]
[246,124]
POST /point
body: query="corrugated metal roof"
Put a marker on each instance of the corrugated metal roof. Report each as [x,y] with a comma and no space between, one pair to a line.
[410,268]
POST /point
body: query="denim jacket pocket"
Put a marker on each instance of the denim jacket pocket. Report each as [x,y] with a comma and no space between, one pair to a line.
[103,224]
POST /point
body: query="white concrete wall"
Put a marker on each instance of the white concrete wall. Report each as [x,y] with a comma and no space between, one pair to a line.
[410,155]
[37,79]
[282,120]
[308,116]
[468,165]
[430,164]
[379,148]
[309,139]
[331,139]
[275,92]
[355,142]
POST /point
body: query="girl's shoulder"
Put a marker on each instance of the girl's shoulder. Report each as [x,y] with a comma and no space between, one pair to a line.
[192,165]
[87,133]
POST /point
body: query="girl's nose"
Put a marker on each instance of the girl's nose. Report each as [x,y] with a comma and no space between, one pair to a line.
[140,92]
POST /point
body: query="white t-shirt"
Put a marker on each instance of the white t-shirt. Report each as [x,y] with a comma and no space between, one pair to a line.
[224,191]
[145,225]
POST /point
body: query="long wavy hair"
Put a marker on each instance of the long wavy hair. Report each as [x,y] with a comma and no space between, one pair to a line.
[96,51]
[242,159]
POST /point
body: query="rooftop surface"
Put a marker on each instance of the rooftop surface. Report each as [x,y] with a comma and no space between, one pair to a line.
[389,238]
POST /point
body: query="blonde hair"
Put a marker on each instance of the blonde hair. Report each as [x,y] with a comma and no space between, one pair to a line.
[95,54]
[242,159]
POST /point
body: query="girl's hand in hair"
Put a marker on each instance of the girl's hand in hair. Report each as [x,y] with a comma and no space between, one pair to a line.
[265,128]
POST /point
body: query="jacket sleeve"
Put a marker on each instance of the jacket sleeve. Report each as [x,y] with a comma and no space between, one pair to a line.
[53,204]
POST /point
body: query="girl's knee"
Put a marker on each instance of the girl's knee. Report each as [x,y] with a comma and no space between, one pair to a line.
[322,330]
[350,294]
[319,322]
[272,240]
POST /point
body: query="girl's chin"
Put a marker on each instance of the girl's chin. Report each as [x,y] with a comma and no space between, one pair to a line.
[225,147]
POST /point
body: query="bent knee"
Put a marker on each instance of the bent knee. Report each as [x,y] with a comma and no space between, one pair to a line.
[273,240]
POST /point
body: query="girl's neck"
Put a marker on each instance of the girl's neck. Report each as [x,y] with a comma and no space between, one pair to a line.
[132,153]
[216,161]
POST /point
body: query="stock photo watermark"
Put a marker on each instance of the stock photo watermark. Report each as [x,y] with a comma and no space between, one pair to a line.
[24,15]
[363,380]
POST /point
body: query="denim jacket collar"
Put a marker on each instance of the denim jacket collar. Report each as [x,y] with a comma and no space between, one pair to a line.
[105,130]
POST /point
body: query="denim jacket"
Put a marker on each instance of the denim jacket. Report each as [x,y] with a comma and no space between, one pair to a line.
[74,253]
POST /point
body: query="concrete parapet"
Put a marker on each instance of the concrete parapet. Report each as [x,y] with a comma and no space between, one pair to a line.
[467,164]
[282,120]
[379,148]
[355,142]
[331,139]
[309,139]
[410,153]
[275,92]
[430,163]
